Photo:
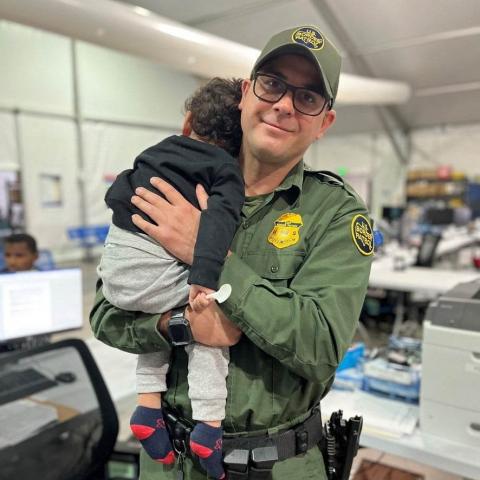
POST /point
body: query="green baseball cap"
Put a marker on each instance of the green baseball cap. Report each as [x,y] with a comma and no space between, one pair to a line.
[310,42]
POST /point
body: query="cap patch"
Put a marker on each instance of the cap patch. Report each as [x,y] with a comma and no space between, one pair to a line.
[362,235]
[286,231]
[308,37]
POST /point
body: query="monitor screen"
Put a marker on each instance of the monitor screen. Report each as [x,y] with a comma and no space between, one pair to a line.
[37,303]
[392,213]
[439,216]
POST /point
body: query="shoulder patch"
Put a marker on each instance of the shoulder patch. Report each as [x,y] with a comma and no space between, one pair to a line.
[362,234]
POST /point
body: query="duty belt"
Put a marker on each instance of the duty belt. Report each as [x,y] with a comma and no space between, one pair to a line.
[254,457]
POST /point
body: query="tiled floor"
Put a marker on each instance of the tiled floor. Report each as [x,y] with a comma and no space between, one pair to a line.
[378,335]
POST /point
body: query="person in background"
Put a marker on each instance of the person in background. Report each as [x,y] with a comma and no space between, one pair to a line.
[20,253]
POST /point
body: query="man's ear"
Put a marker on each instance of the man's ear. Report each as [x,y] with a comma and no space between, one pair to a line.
[187,124]
[245,86]
[328,120]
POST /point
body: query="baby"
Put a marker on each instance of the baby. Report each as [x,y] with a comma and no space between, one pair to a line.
[138,274]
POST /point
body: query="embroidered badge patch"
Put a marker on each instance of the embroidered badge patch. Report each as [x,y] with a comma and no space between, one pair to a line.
[362,235]
[286,233]
[309,37]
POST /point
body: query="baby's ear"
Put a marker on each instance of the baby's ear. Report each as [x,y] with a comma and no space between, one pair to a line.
[187,124]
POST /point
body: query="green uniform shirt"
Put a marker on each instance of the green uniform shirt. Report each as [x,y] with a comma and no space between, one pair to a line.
[299,274]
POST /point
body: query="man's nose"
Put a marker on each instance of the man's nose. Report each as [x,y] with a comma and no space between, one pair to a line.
[285,104]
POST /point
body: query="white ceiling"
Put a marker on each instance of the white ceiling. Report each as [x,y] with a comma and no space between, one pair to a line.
[434,45]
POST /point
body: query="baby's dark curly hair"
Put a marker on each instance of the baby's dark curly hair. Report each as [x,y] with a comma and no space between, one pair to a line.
[215,113]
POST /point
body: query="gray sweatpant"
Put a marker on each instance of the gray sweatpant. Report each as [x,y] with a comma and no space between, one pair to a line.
[139,274]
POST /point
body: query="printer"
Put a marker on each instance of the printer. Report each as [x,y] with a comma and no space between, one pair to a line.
[450,390]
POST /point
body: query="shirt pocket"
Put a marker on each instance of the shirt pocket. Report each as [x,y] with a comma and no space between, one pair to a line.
[277,266]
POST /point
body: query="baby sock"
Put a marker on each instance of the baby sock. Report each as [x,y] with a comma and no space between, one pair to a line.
[206,442]
[148,426]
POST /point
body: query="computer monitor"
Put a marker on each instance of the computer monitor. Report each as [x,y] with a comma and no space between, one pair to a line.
[38,303]
[390,214]
[440,216]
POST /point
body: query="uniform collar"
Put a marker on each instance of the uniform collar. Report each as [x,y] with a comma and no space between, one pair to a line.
[292,184]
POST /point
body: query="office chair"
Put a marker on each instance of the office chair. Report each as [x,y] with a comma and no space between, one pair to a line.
[58,419]
[416,304]
[427,250]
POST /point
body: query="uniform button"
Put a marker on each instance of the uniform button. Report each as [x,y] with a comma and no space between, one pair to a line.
[246,224]
[274,268]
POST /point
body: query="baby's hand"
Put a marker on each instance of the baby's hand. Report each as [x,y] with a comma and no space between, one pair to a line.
[198,297]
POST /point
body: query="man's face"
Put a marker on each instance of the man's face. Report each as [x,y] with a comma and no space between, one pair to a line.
[18,257]
[275,133]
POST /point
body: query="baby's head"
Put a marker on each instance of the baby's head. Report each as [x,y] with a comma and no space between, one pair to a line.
[212,114]
[20,252]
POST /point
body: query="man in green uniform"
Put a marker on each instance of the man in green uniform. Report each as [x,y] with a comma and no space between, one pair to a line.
[299,264]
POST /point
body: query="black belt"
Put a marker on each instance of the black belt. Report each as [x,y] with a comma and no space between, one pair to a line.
[289,443]
[254,457]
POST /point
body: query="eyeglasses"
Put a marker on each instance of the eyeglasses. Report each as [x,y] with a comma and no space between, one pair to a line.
[271,89]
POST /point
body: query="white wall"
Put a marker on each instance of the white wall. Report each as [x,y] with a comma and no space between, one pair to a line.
[458,146]
[49,148]
[114,88]
[36,70]
[8,146]
[365,157]
[120,87]
[110,149]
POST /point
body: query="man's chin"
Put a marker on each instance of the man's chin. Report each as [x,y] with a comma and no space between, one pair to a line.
[269,154]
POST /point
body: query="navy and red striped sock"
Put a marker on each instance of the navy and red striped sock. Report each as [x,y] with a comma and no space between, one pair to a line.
[206,442]
[148,426]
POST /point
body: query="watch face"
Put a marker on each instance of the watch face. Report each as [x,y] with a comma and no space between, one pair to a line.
[179,331]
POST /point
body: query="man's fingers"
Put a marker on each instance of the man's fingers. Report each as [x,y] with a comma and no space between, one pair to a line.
[147,227]
[145,207]
[151,197]
[202,196]
[172,195]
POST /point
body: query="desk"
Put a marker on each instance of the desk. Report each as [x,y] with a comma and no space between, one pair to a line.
[431,282]
[433,451]
[417,279]
[453,242]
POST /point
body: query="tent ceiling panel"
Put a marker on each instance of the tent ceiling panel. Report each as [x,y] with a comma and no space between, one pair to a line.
[432,64]
[373,23]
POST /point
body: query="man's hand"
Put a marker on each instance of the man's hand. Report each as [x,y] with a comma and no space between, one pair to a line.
[211,327]
[176,219]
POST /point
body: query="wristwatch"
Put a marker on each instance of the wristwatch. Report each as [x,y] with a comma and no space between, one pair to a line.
[179,328]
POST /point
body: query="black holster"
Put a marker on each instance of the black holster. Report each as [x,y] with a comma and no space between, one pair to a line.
[339,445]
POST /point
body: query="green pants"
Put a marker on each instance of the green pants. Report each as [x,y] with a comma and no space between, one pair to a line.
[303,467]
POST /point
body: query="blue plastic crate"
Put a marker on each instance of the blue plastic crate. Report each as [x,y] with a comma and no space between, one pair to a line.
[88,236]
[353,356]
[393,380]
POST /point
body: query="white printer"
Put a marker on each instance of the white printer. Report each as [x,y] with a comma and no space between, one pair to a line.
[450,390]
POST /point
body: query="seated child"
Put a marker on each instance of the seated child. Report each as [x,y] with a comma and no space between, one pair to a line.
[20,253]
[138,274]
